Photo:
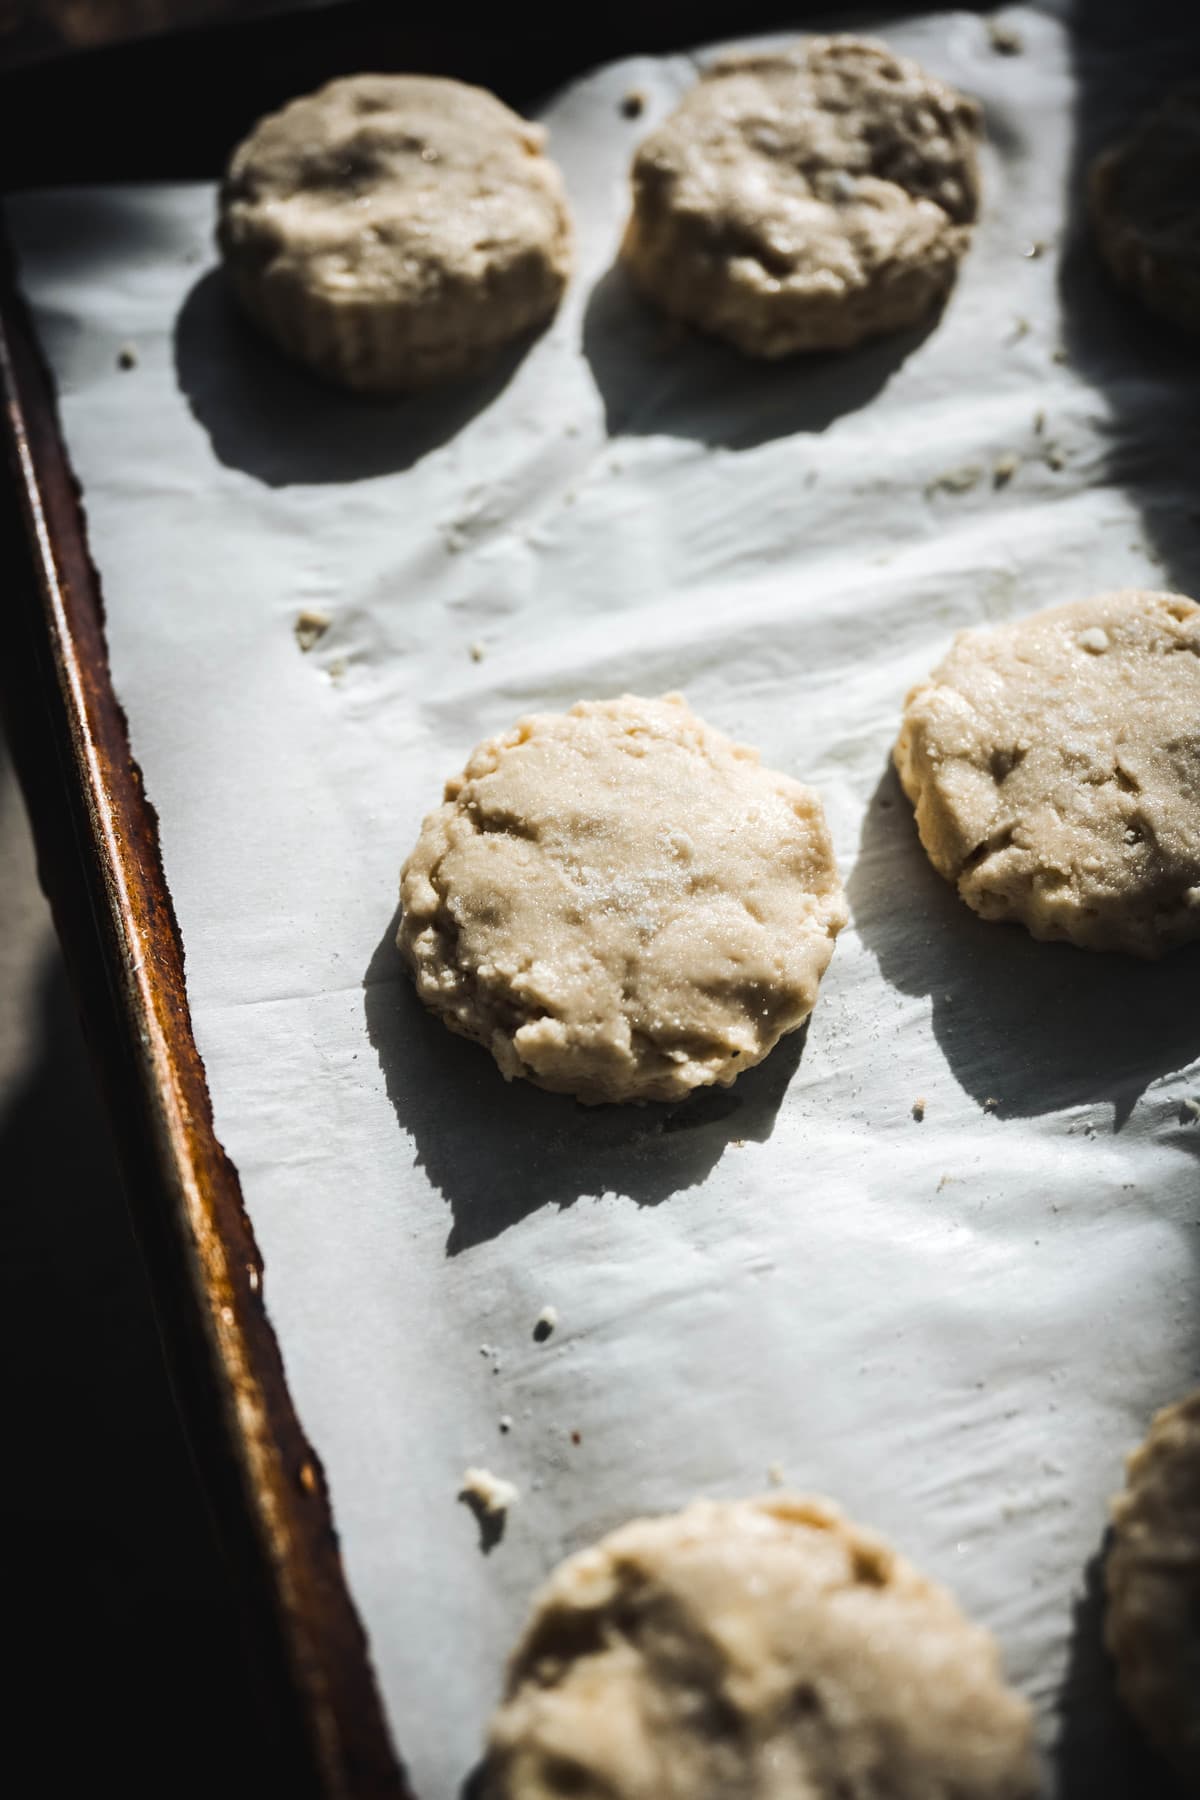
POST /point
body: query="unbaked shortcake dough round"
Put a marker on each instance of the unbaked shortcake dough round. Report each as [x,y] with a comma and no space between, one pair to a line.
[805,199]
[1054,765]
[1145,206]
[757,1650]
[1153,1578]
[621,903]
[395,230]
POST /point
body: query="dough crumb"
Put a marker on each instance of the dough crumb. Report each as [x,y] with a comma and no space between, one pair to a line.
[775,1474]
[546,1321]
[127,357]
[990,1104]
[477,650]
[633,105]
[956,481]
[505,1422]
[1039,422]
[1005,40]
[488,1496]
[1035,250]
[1095,639]
[1052,456]
[1004,468]
[1189,1111]
[918,1108]
[310,628]
[492,1491]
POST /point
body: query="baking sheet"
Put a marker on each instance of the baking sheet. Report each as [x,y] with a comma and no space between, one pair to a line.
[956,1326]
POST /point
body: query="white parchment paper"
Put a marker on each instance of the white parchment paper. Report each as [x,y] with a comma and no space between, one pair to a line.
[955,1327]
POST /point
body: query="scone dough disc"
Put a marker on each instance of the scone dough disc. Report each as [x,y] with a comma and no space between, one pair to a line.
[806,199]
[1145,206]
[764,1649]
[1054,765]
[1153,1579]
[621,903]
[395,230]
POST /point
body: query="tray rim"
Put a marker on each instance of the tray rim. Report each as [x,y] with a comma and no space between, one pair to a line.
[99,860]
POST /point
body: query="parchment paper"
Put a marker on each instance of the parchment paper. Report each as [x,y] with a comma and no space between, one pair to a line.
[954,1327]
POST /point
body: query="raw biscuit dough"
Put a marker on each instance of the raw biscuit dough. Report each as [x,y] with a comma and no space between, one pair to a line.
[757,1650]
[395,230]
[1153,1578]
[1145,205]
[1054,765]
[806,199]
[621,903]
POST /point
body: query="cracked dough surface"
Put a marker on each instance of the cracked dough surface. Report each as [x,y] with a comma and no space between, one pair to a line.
[1153,1578]
[395,230]
[806,199]
[755,1650]
[1145,206]
[1054,765]
[621,903]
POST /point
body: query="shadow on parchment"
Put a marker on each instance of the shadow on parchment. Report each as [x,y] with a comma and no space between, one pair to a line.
[657,378]
[280,423]
[1099,1748]
[499,1150]
[1034,1027]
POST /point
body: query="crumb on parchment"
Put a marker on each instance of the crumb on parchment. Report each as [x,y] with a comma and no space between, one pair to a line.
[633,104]
[918,1108]
[127,356]
[1005,40]
[489,1491]
[490,1498]
[546,1320]
[310,627]
[955,481]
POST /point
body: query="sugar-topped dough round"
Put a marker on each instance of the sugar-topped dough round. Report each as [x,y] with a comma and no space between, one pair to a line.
[395,230]
[1054,765]
[1153,1578]
[806,199]
[1145,207]
[621,903]
[764,1650]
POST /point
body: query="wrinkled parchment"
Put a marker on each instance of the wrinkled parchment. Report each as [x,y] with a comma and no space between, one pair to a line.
[954,1326]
